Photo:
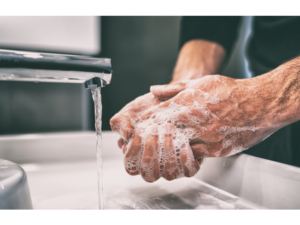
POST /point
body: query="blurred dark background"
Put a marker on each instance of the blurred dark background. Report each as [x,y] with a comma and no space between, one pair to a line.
[143,52]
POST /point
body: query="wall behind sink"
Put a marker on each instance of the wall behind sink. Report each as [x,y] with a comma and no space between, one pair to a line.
[44,107]
[30,107]
[143,52]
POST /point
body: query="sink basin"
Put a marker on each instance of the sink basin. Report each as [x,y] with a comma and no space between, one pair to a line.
[62,174]
[14,191]
[73,185]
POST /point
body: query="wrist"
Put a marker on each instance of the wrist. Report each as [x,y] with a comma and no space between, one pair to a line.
[279,90]
[198,58]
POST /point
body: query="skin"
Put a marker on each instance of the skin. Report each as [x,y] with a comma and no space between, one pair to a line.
[233,115]
[210,116]
[124,121]
[198,58]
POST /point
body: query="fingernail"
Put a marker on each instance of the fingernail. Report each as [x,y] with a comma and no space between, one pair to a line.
[153,87]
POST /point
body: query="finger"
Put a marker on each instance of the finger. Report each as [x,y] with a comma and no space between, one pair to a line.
[151,112]
[189,164]
[170,170]
[215,149]
[169,90]
[150,161]
[144,102]
[121,123]
[200,151]
[227,151]
[132,156]
[124,148]
[121,143]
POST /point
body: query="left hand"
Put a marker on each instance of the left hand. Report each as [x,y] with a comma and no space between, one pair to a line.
[124,121]
[198,58]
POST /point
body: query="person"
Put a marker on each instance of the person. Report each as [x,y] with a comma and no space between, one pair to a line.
[169,131]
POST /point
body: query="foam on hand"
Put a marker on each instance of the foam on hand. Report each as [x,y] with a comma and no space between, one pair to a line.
[171,138]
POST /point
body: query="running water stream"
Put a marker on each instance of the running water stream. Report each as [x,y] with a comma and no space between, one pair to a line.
[96,93]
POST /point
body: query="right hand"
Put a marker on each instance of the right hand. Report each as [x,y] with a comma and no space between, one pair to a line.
[134,143]
[124,121]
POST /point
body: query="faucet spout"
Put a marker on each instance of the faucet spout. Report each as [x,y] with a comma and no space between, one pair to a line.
[94,83]
[59,68]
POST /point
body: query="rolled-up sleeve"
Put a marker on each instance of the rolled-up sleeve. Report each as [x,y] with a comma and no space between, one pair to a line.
[220,29]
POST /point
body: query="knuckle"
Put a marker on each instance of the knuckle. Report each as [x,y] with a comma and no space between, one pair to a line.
[114,119]
[115,123]
[209,77]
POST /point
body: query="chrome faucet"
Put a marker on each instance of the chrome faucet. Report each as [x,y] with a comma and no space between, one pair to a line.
[58,68]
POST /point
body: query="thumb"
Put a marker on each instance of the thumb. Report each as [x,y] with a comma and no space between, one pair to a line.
[169,90]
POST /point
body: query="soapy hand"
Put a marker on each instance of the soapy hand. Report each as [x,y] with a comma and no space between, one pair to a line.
[213,116]
[197,58]
[217,115]
[124,121]
[143,152]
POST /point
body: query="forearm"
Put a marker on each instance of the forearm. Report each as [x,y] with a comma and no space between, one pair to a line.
[280,91]
[198,58]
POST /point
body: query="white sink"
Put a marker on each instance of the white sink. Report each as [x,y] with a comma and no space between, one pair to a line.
[62,174]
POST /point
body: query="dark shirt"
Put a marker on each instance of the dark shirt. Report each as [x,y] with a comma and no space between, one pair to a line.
[274,40]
